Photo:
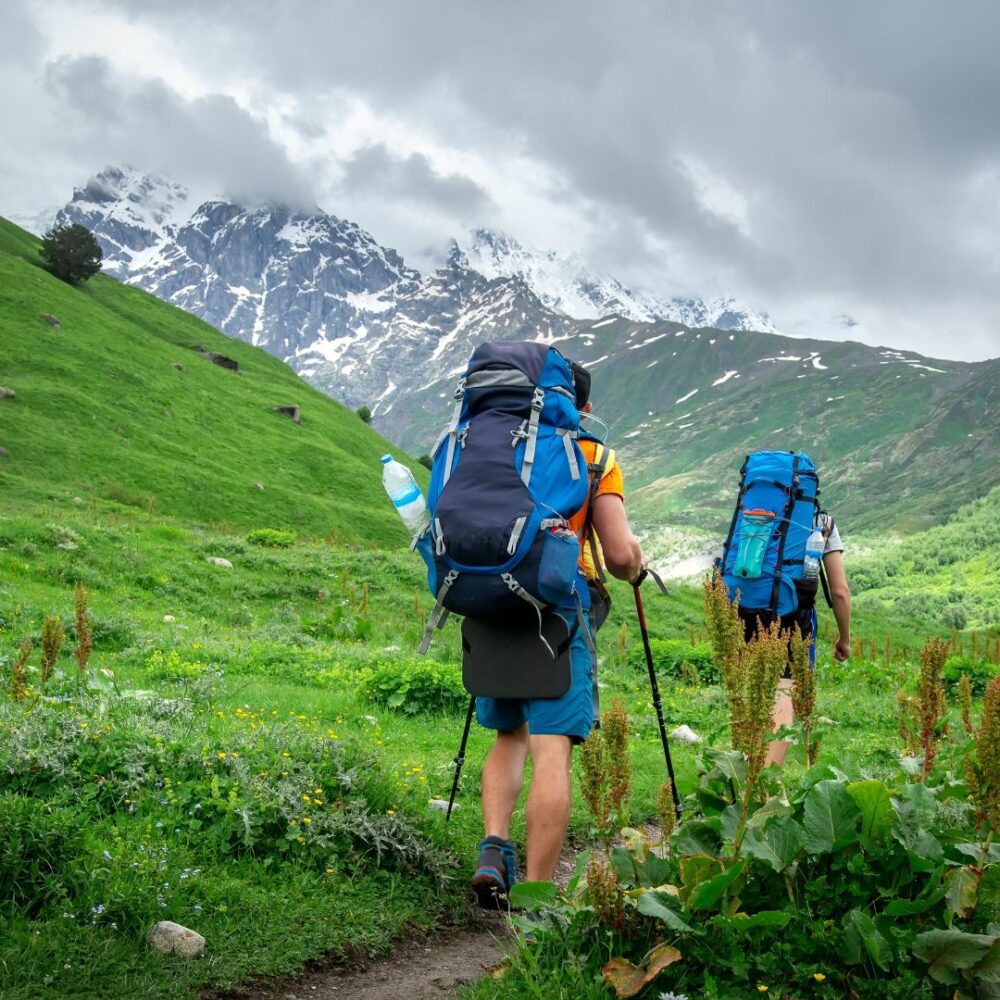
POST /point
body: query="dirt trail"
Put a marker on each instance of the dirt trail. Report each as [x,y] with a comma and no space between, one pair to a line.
[416,970]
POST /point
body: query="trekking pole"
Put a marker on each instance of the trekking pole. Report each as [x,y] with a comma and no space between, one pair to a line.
[460,759]
[657,703]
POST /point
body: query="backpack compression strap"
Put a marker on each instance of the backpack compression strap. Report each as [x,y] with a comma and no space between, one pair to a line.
[604,459]
[793,495]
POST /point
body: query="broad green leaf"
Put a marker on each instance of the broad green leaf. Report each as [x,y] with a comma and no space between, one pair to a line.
[963,886]
[657,904]
[765,918]
[695,870]
[988,969]
[730,820]
[874,801]
[913,816]
[773,808]
[862,940]
[730,763]
[947,950]
[581,866]
[696,837]
[975,851]
[989,885]
[830,817]
[709,893]
[623,864]
[816,774]
[532,895]
[932,893]
[655,870]
[778,845]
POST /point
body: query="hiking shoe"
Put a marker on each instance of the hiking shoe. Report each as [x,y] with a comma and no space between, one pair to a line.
[496,871]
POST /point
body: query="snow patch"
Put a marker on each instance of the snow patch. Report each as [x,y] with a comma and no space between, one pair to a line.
[604,322]
[684,399]
[725,378]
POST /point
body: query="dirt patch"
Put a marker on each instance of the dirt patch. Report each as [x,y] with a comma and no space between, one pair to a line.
[416,970]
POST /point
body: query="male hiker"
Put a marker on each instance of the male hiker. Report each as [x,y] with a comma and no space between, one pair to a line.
[546,729]
[780,545]
[840,603]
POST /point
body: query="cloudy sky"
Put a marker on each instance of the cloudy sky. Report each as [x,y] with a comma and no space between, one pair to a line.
[834,164]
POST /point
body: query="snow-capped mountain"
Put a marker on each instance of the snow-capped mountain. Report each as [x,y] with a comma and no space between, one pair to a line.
[317,291]
[564,283]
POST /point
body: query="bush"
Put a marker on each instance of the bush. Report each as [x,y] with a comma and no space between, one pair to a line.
[679,659]
[273,537]
[71,253]
[980,672]
[414,686]
[364,413]
[38,846]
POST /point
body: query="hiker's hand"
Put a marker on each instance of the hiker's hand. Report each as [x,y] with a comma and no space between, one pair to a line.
[641,575]
[842,649]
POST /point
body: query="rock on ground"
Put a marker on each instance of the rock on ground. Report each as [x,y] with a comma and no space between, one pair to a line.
[219,561]
[169,938]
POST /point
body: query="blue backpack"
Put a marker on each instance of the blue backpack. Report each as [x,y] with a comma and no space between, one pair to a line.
[762,559]
[507,475]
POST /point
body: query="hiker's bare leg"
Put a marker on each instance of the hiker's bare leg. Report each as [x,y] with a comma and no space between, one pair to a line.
[547,810]
[783,716]
[503,775]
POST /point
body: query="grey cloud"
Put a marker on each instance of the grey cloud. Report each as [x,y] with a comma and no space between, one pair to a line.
[209,142]
[374,170]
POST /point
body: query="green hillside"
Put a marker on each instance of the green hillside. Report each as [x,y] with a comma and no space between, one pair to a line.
[949,574]
[116,403]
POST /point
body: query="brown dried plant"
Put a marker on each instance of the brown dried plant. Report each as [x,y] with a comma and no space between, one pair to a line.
[84,634]
[930,704]
[983,776]
[594,784]
[622,641]
[907,733]
[725,634]
[605,892]
[19,671]
[766,655]
[52,640]
[614,725]
[965,701]
[665,810]
[803,688]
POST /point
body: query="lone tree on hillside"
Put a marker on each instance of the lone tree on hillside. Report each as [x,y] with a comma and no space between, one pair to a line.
[365,413]
[71,253]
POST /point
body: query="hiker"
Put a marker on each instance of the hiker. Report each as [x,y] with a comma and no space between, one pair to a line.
[547,729]
[777,528]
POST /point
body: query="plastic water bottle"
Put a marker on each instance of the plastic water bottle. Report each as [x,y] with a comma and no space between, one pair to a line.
[405,494]
[814,552]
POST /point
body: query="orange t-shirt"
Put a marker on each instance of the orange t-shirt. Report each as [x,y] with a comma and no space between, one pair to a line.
[611,483]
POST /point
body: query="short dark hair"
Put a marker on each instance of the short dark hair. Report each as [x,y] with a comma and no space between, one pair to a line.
[581,384]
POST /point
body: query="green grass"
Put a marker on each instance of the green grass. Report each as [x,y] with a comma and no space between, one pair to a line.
[104,412]
[285,640]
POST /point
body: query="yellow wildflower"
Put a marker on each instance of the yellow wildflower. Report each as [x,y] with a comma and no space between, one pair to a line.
[306,820]
[329,871]
[222,756]
[390,812]
[761,988]
[819,977]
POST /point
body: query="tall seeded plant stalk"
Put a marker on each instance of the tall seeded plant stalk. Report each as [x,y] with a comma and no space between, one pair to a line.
[930,703]
[725,634]
[606,772]
[965,702]
[983,775]
[84,634]
[803,689]
[766,655]
[52,640]
[19,671]
[594,785]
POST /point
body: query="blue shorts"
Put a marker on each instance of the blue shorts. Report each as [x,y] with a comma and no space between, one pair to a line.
[571,715]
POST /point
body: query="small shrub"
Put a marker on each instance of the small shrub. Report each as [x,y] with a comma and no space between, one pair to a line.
[414,686]
[671,655]
[274,538]
[980,671]
[39,844]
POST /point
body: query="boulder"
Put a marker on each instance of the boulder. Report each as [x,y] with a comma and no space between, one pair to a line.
[685,734]
[292,412]
[258,486]
[218,359]
[52,321]
[169,938]
[219,561]
[6,393]
[4,452]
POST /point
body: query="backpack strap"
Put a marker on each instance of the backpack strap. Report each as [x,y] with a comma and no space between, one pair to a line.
[537,402]
[440,614]
[604,459]
[736,513]
[515,588]
[452,432]
[793,495]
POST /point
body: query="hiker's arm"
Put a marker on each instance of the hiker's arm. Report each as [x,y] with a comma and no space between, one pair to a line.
[622,552]
[840,597]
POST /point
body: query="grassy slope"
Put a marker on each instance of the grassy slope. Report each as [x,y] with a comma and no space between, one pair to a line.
[102,411]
